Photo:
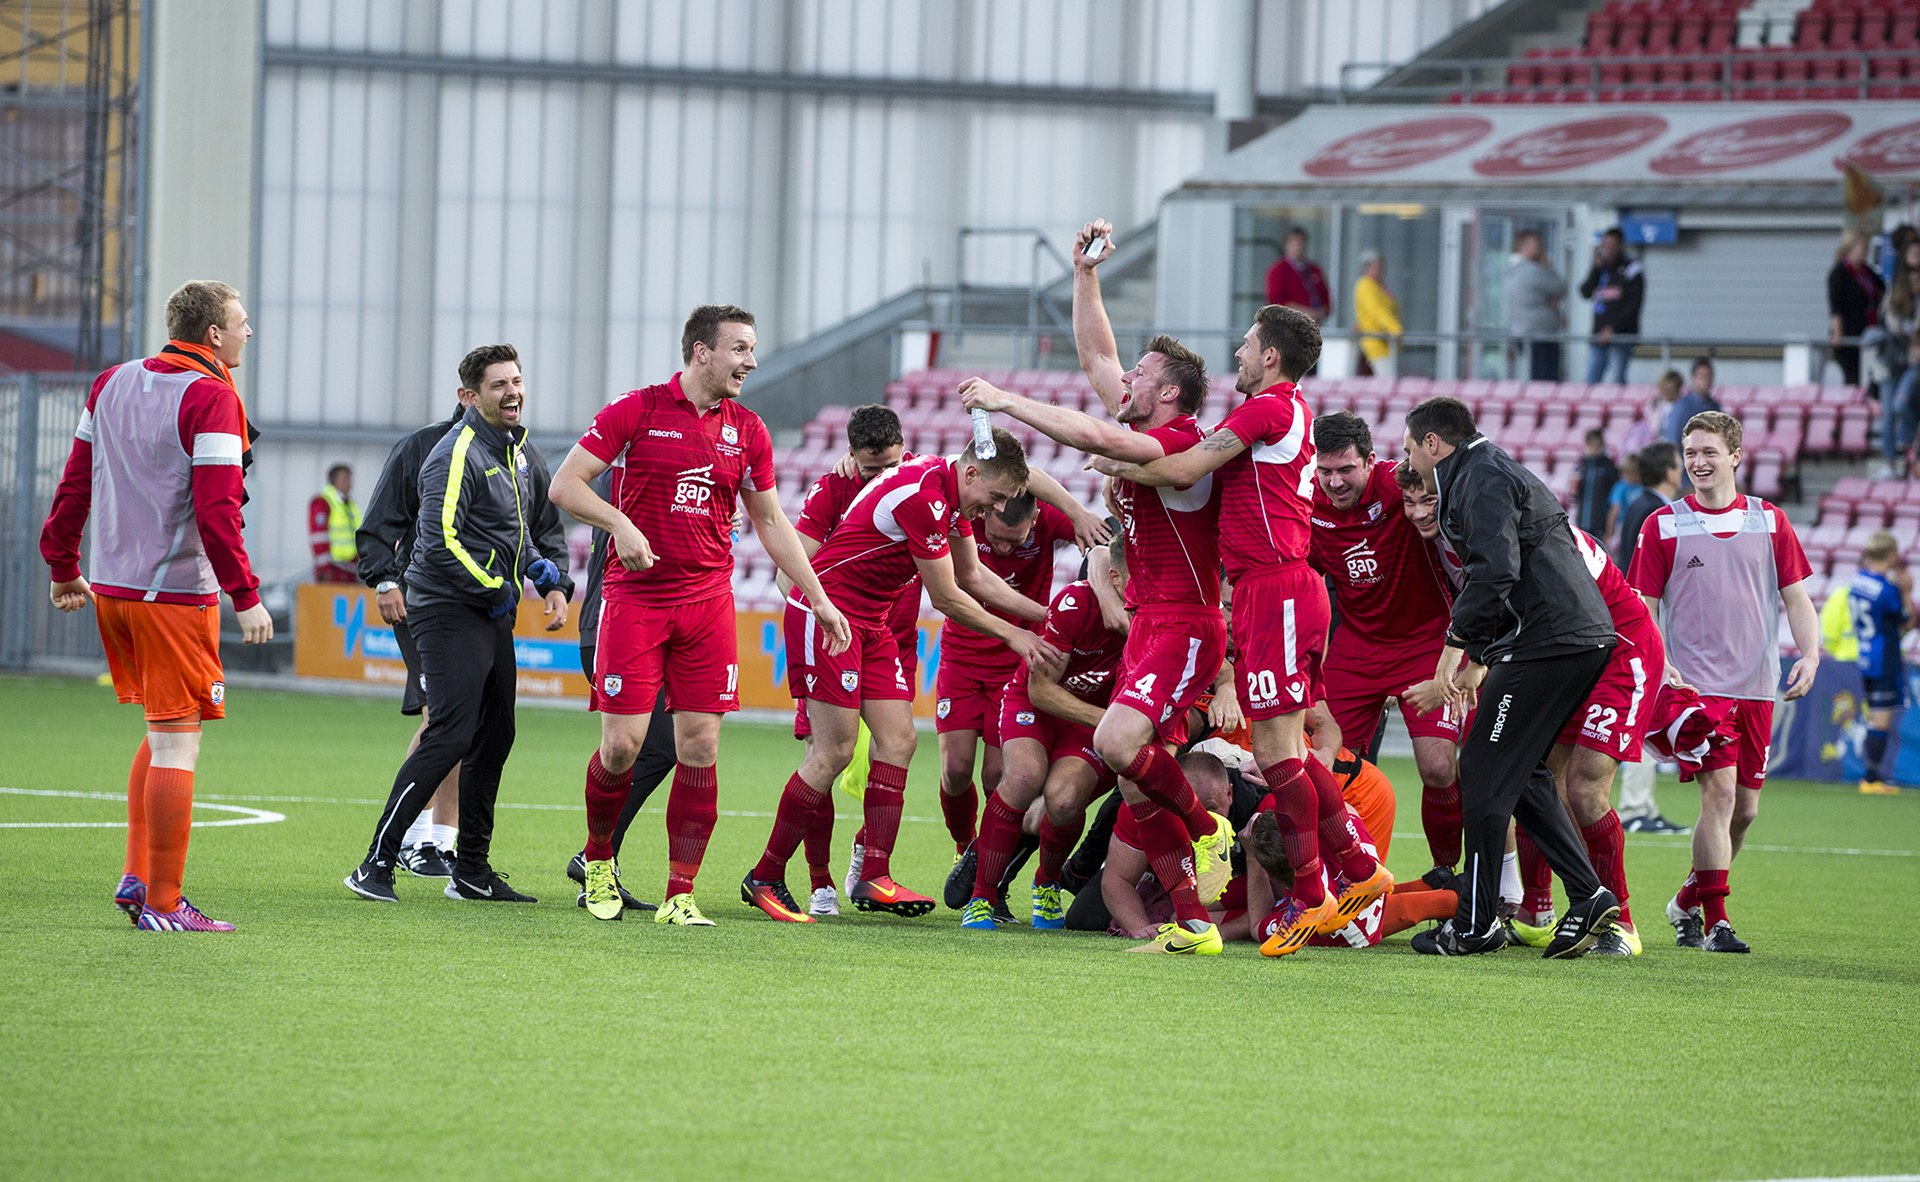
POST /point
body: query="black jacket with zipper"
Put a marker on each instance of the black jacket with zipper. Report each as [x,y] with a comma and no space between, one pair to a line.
[1528,593]
[387,531]
[471,540]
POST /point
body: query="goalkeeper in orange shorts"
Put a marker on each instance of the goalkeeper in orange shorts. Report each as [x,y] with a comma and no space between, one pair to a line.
[158,466]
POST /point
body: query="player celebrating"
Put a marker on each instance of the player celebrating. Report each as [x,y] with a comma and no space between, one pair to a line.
[1718,560]
[1047,720]
[1265,455]
[686,453]
[1393,615]
[898,526]
[158,465]
[1177,640]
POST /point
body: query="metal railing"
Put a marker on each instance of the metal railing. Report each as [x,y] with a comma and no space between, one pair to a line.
[38,414]
[1610,77]
[1041,245]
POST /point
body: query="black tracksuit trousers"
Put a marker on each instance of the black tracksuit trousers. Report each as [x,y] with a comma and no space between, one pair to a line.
[1503,776]
[468,662]
[656,759]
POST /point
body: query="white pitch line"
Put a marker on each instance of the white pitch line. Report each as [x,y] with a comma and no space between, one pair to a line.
[248,817]
[1684,843]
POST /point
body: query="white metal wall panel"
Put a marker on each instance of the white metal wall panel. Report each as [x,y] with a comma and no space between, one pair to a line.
[1780,275]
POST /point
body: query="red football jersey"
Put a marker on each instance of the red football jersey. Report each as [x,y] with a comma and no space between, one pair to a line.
[1028,570]
[1267,494]
[905,514]
[820,515]
[1631,618]
[677,475]
[1385,583]
[1173,534]
[1075,627]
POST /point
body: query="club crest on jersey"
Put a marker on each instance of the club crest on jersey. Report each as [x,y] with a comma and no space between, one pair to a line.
[943,707]
[1373,511]
[849,680]
[611,685]
[217,692]
[1024,718]
[730,433]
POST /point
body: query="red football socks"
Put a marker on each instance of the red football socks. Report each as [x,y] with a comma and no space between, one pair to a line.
[1171,856]
[1713,891]
[137,812]
[1689,895]
[1339,840]
[1607,850]
[960,812]
[169,824]
[819,842]
[1536,877]
[606,796]
[999,834]
[1297,809]
[1440,816]
[886,796]
[1056,846]
[1158,774]
[692,808]
[798,804]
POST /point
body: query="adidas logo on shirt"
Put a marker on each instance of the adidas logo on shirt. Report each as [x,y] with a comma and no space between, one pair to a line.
[1694,563]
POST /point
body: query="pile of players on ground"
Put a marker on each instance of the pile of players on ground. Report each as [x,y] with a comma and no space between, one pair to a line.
[1525,664]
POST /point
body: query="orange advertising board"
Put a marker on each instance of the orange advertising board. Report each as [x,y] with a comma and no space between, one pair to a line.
[338,633]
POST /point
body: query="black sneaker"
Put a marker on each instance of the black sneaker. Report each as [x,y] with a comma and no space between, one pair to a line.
[485,885]
[577,868]
[1445,941]
[1071,880]
[372,880]
[425,861]
[1654,823]
[1688,928]
[1003,914]
[959,890]
[1722,939]
[1582,925]
[1442,878]
[1611,943]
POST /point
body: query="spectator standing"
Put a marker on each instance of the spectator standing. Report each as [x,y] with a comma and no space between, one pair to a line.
[1624,493]
[1854,293]
[1697,399]
[1534,292]
[332,521]
[1900,316]
[1297,281]
[1617,286]
[1376,313]
[1594,484]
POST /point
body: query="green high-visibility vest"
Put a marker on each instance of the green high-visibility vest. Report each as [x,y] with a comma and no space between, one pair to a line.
[343,521]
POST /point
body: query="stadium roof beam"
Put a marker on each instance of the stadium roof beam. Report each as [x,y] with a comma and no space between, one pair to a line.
[1199,104]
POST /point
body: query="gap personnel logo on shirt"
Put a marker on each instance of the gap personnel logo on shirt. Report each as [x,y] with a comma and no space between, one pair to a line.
[217,692]
[611,686]
[849,680]
[694,491]
[1362,565]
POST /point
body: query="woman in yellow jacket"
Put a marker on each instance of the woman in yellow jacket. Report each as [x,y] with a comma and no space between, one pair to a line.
[1375,311]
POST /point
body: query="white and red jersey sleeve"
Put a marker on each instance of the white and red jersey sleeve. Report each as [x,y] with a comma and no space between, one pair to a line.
[1267,504]
[1653,557]
[1173,534]
[1631,618]
[903,516]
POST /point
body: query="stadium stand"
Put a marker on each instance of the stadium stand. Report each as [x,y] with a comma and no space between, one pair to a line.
[1666,51]
[1541,423]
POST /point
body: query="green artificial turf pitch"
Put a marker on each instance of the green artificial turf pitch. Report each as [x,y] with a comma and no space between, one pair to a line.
[334,1038]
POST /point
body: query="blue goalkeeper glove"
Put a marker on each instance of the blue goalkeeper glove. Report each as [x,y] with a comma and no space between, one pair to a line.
[509,599]
[545,575]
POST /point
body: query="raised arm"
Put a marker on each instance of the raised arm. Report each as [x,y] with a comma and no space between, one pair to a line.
[1070,428]
[1092,332]
[1182,469]
[1089,528]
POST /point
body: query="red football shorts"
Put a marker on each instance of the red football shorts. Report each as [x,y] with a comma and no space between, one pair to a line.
[1280,618]
[1752,722]
[908,641]
[968,695]
[691,646]
[870,669]
[1361,676]
[165,656]
[1614,718]
[1020,719]
[1171,658]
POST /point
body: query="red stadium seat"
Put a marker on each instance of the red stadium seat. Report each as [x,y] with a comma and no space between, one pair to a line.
[1854,424]
[1765,472]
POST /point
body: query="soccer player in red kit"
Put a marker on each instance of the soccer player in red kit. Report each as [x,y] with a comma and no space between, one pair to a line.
[898,526]
[1719,561]
[1393,615]
[684,452]
[1264,454]
[1047,720]
[1178,639]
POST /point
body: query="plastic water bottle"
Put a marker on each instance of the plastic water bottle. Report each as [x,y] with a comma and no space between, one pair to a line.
[983,445]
